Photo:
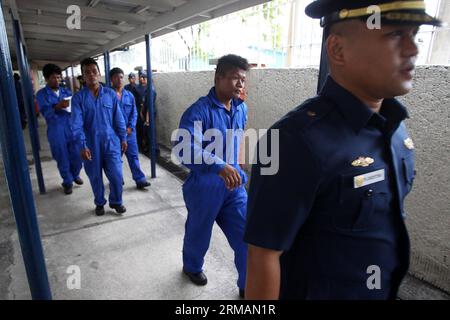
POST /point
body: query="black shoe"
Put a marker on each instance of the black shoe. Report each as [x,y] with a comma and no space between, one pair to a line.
[143,185]
[242,293]
[99,210]
[197,278]
[67,188]
[78,181]
[118,207]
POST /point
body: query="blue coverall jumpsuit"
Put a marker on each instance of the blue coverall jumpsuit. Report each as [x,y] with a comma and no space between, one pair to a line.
[99,125]
[205,194]
[60,134]
[129,110]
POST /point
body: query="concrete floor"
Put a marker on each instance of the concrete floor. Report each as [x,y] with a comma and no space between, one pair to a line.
[134,256]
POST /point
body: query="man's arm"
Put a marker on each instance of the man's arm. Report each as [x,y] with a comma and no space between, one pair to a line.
[263,274]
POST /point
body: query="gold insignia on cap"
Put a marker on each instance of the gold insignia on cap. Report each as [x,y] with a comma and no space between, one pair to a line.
[311,113]
[363,162]
[409,144]
[343,13]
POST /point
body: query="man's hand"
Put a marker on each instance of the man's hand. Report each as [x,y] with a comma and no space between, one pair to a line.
[129,131]
[62,105]
[86,154]
[231,177]
[124,147]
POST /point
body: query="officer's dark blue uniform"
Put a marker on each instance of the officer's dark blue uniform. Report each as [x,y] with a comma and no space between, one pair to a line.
[205,194]
[329,219]
[60,134]
[335,207]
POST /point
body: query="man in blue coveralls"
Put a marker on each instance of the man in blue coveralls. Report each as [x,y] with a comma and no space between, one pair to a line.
[100,129]
[53,103]
[214,189]
[330,224]
[128,108]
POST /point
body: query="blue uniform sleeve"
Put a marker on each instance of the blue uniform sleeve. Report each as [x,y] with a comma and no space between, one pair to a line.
[133,116]
[279,204]
[245,118]
[197,162]
[119,121]
[45,106]
[77,121]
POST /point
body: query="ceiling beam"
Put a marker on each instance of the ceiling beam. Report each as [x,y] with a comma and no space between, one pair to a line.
[60,45]
[61,22]
[61,7]
[32,35]
[66,32]
[154,5]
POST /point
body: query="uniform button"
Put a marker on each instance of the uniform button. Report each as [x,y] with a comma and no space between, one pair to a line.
[369,193]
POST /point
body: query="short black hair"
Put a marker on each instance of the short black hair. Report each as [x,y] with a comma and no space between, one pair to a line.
[229,62]
[115,71]
[88,62]
[50,69]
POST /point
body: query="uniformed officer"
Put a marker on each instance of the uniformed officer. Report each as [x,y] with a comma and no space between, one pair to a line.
[214,190]
[128,107]
[330,223]
[100,129]
[53,101]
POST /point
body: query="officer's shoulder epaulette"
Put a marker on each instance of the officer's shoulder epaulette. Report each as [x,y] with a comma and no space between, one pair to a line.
[310,112]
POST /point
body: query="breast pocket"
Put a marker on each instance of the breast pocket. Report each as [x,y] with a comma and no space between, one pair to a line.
[361,208]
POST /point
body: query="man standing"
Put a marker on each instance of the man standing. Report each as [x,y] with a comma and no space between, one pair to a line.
[129,111]
[53,101]
[141,91]
[214,190]
[131,86]
[99,127]
[330,223]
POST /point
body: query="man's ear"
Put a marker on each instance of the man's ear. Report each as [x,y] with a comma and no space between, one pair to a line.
[335,49]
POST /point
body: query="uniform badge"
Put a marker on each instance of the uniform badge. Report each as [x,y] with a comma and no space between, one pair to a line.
[363,162]
[409,144]
[369,178]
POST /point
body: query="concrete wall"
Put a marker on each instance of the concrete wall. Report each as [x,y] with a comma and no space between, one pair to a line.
[272,93]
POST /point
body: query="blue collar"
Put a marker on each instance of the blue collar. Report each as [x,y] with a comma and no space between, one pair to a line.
[100,90]
[213,97]
[50,90]
[357,113]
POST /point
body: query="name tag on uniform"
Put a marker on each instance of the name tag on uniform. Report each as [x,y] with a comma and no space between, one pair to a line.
[368,178]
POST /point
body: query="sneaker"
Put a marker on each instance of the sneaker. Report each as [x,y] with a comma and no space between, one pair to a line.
[118,207]
[143,185]
[99,210]
[67,188]
[78,181]
[197,278]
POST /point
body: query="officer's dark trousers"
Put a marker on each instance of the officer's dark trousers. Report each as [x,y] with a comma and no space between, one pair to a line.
[208,201]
